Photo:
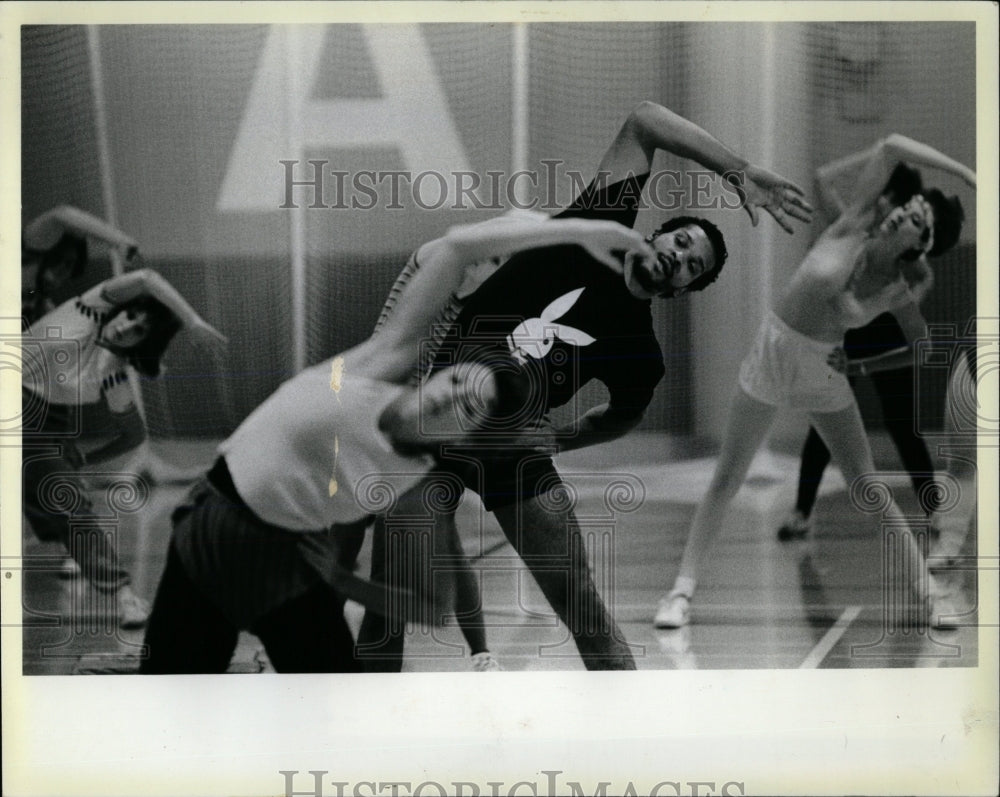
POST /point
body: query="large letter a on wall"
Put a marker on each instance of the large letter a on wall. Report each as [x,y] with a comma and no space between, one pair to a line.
[281,121]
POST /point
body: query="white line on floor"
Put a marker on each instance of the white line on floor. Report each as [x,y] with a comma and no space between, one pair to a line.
[830,638]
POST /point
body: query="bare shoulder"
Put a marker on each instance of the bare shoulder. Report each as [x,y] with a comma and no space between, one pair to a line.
[829,264]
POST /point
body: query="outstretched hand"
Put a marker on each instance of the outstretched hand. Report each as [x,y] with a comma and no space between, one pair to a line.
[783,199]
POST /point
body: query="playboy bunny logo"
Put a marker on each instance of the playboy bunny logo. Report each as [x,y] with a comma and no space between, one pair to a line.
[536,336]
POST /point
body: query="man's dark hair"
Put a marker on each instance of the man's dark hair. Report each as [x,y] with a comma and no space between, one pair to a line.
[145,356]
[69,242]
[715,238]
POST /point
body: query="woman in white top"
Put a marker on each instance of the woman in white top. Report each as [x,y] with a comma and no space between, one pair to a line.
[342,440]
[857,269]
[78,354]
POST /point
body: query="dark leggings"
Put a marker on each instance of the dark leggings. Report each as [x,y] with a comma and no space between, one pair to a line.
[188,633]
[895,393]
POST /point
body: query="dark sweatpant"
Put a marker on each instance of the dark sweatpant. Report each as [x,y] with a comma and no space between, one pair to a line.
[228,571]
[188,633]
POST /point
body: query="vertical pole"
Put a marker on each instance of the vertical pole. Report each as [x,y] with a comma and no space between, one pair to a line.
[519,98]
[768,146]
[107,181]
[296,219]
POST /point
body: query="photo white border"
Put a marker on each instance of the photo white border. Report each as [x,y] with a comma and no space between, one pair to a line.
[908,731]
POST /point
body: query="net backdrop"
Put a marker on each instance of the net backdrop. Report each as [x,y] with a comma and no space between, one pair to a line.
[199,118]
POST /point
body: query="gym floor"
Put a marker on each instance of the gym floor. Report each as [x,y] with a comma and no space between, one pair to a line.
[761,603]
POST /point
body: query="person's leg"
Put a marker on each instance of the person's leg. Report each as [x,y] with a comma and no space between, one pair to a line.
[187,633]
[748,424]
[550,544]
[309,634]
[350,539]
[468,606]
[54,495]
[381,638]
[957,521]
[895,392]
[844,433]
[407,547]
[815,458]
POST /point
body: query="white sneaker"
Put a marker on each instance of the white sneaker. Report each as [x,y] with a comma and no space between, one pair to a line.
[943,613]
[676,645]
[674,611]
[133,611]
[484,662]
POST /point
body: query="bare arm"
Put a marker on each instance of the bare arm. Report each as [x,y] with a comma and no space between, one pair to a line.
[883,157]
[45,231]
[829,174]
[597,425]
[651,127]
[391,354]
[146,282]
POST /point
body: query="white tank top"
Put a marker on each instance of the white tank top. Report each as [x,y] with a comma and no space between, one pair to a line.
[312,456]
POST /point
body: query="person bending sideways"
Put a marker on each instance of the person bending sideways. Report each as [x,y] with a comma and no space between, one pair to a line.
[255,546]
[856,270]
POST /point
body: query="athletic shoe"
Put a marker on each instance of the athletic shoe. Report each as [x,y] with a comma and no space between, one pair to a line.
[484,662]
[133,611]
[676,645]
[795,527]
[674,611]
[943,613]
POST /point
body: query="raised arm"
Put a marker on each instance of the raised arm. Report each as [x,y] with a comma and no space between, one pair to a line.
[651,127]
[878,162]
[830,175]
[45,231]
[393,351]
[146,282]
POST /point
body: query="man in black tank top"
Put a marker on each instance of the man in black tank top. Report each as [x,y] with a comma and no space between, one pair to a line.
[570,320]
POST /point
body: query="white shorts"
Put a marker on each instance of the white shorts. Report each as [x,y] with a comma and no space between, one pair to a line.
[786,369]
